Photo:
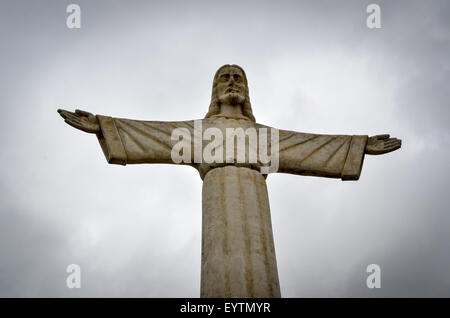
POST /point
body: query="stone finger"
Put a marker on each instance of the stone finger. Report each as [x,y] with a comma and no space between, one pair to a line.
[82,112]
[74,117]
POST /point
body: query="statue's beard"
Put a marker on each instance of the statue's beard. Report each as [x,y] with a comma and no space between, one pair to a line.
[232,99]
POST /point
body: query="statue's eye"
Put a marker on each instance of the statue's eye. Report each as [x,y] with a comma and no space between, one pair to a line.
[237,78]
[224,77]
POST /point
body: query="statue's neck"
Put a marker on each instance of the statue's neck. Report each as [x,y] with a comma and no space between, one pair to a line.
[231,110]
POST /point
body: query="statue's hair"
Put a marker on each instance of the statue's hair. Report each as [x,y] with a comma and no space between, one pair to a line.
[214,107]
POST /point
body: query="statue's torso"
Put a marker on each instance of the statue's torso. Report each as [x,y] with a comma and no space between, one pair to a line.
[228,127]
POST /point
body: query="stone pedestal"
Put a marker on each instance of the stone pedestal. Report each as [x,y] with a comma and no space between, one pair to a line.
[238,254]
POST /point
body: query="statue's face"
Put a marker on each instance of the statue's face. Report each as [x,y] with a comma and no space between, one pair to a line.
[231,86]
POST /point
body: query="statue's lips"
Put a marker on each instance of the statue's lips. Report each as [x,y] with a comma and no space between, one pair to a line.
[232,90]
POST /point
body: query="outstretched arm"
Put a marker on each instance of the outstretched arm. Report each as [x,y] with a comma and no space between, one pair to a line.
[126,141]
[333,156]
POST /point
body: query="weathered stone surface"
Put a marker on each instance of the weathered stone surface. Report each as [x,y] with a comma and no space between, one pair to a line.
[238,253]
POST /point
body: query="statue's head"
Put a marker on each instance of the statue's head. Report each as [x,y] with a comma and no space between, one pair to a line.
[230,87]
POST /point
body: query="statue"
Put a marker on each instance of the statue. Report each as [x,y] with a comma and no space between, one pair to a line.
[238,255]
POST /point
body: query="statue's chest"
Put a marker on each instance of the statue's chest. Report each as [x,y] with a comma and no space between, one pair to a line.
[230,142]
[235,138]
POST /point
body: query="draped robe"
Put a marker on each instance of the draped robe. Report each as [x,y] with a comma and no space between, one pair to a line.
[238,252]
[126,141]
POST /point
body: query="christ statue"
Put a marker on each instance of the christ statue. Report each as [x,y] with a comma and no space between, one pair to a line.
[238,253]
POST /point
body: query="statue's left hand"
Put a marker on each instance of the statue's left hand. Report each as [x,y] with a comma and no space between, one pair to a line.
[381,144]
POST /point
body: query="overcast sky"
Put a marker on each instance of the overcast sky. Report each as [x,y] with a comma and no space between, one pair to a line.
[312,66]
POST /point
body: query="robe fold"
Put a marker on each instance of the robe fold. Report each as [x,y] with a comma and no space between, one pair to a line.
[126,141]
[333,156]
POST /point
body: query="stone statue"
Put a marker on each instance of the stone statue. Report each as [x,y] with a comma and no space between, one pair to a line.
[238,254]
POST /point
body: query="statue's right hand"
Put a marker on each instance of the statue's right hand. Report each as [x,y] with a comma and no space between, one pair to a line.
[81,120]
